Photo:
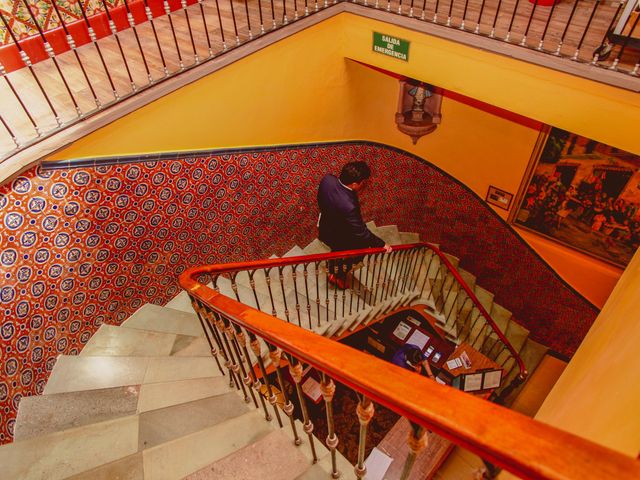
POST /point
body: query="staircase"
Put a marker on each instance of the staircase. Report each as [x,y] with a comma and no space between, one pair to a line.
[147,400]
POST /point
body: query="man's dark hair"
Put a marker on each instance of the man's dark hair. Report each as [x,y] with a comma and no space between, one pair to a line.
[354,172]
[414,356]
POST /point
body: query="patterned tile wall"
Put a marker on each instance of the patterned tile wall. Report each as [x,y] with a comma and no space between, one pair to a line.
[85,245]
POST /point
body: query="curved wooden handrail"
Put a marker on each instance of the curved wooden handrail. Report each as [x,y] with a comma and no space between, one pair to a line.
[523,446]
[280,262]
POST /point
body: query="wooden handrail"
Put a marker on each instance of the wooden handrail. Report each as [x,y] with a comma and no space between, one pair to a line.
[280,262]
[523,446]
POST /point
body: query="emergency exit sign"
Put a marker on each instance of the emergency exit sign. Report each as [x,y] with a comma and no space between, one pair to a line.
[391,46]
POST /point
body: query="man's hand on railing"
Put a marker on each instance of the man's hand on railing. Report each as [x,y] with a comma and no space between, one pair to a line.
[387,248]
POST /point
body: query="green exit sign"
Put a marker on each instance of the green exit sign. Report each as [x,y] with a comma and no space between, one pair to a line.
[391,46]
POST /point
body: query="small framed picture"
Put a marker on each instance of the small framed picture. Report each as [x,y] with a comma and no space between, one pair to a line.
[472,382]
[491,379]
[499,198]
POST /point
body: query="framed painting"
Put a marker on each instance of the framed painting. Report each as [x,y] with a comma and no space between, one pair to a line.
[583,194]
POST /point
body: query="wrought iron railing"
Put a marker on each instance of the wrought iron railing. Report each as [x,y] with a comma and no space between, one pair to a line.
[502,437]
[299,290]
[149,41]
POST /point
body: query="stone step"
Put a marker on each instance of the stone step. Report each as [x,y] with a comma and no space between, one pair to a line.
[117,341]
[390,234]
[322,470]
[272,457]
[501,316]
[409,237]
[186,455]
[77,373]
[316,247]
[127,468]
[62,454]
[181,302]
[164,319]
[166,424]
[154,396]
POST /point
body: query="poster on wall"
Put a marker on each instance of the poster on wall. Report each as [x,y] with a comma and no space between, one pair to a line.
[584,194]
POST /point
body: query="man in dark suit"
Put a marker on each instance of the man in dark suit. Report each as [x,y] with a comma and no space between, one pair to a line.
[340,223]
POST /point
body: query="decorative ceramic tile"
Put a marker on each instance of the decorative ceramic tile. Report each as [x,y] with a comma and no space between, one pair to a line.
[85,245]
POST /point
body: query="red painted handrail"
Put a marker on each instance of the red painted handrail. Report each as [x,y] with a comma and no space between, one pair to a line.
[525,447]
[280,262]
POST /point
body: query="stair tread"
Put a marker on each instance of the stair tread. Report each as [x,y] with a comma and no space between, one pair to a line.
[272,457]
[44,414]
[117,341]
[186,455]
[127,468]
[62,454]
[181,302]
[390,234]
[164,319]
[77,373]
[316,247]
[409,237]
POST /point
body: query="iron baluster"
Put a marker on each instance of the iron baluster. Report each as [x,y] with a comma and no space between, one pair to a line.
[3,72]
[305,275]
[284,296]
[273,15]
[317,275]
[212,320]
[52,55]
[255,346]
[214,351]
[328,389]
[94,40]
[233,363]
[420,268]
[413,274]
[275,354]
[546,27]
[224,42]
[27,62]
[295,292]
[348,279]
[255,384]
[149,14]
[326,289]
[295,9]
[396,272]
[566,27]
[449,14]
[606,33]
[416,441]
[365,411]
[295,370]
[495,20]
[523,42]
[335,293]
[306,7]
[586,29]
[432,254]
[424,8]
[246,11]
[513,17]
[378,280]
[232,332]
[411,9]
[167,11]
[132,24]
[11,134]
[614,66]
[252,284]
[114,31]
[464,13]
[285,20]
[261,17]
[206,28]
[453,307]
[435,12]
[400,7]
[477,29]
[268,280]
[72,44]
[183,4]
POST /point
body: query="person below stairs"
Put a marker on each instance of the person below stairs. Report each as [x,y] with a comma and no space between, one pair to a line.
[411,357]
[340,223]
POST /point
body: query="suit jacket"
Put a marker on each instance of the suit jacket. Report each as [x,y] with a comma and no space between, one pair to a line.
[341,224]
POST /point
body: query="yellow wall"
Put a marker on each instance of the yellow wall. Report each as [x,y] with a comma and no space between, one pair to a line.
[290,92]
[303,90]
[607,114]
[598,394]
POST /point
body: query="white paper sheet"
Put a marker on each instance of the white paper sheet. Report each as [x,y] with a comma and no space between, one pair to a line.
[312,388]
[402,330]
[377,464]
[418,339]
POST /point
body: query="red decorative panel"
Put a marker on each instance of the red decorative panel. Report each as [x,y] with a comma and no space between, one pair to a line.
[84,245]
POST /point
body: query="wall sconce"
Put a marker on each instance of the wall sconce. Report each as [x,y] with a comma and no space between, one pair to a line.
[418,109]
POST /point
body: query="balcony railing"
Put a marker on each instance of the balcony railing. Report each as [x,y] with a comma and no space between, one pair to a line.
[84,64]
[501,437]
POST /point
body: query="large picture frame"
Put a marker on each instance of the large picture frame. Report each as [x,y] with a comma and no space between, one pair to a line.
[583,194]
